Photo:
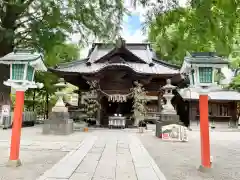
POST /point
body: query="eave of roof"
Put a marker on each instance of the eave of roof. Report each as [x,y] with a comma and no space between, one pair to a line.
[166,63]
[221,95]
[82,68]
[72,63]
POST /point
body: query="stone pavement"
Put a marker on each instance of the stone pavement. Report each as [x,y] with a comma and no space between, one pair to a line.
[118,154]
[106,155]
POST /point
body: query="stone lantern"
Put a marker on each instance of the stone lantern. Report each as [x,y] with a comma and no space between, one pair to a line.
[59,121]
[23,64]
[168,119]
[60,105]
[202,69]
[168,95]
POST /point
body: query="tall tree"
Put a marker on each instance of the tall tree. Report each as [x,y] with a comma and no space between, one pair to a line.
[33,22]
[58,54]
[206,25]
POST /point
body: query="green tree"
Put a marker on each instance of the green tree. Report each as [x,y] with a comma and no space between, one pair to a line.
[139,102]
[35,22]
[206,25]
[91,104]
[45,96]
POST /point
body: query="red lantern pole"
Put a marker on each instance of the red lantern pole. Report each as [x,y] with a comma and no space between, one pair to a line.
[16,130]
[204,132]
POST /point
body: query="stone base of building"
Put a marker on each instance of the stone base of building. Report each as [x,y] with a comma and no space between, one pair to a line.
[58,124]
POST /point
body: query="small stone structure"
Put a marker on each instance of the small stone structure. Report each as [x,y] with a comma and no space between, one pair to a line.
[168,115]
[59,122]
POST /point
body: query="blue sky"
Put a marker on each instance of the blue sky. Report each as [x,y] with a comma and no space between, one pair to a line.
[132,24]
[131,27]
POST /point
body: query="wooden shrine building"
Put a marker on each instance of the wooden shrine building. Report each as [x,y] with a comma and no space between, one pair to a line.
[116,67]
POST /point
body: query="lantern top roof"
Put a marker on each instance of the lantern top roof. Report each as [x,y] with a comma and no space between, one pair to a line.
[23,56]
[205,58]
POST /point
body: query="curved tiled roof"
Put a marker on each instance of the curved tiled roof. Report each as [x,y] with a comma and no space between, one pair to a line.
[150,64]
[138,68]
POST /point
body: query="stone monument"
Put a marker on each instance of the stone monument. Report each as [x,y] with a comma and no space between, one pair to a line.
[168,126]
[59,122]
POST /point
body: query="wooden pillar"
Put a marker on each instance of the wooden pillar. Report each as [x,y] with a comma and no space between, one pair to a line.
[159,102]
[233,113]
[98,119]
[79,97]
[204,132]
[16,130]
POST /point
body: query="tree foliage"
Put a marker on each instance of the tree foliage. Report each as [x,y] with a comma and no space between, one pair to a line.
[206,25]
[139,99]
[91,104]
[46,25]
[45,97]
[35,22]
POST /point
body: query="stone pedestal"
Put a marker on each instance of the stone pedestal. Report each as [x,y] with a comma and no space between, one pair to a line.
[168,115]
[166,119]
[58,124]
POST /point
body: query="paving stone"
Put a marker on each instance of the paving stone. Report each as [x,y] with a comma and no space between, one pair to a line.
[87,166]
[125,168]
[107,162]
[122,145]
[99,144]
[66,167]
[144,173]
[92,156]
[96,150]
[81,176]
[107,158]
[126,176]
[127,157]
[123,151]
[123,162]
[54,179]
[102,178]
[105,172]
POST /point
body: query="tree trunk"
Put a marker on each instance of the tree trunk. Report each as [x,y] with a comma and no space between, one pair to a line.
[8,27]
[34,95]
[5,48]
[137,118]
[47,105]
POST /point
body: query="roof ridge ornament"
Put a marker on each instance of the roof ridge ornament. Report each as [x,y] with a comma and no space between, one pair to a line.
[22,50]
[120,42]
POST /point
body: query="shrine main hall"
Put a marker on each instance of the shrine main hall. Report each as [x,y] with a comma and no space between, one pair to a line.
[116,67]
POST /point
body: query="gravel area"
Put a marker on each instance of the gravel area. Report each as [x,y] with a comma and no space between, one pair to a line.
[38,152]
[35,163]
[180,160]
